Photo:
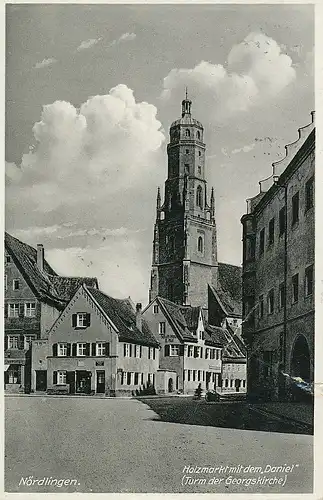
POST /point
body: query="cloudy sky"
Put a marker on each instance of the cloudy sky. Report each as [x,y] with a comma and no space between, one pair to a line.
[91,91]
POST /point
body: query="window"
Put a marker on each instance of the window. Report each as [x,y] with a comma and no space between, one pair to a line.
[282,221]
[13,342]
[207,353]
[81,349]
[188,375]
[100,349]
[61,349]
[268,361]
[271,232]
[156,309]
[309,194]
[200,244]
[281,298]
[250,248]
[309,281]
[128,378]
[162,327]
[136,351]
[30,309]
[199,197]
[127,350]
[151,353]
[8,259]
[61,377]
[198,135]
[28,341]
[295,208]
[13,310]
[187,151]
[194,375]
[198,375]
[217,353]
[226,382]
[81,320]
[262,241]
[174,350]
[15,284]
[190,351]
[187,168]
[261,306]
[271,302]
[199,170]
[136,380]
[200,153]
[187,133]
[295,288]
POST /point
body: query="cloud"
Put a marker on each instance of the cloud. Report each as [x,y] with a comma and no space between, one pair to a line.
[45,62]
[244,149]
[256,71]
[125,37]
[96,167]
[87,44]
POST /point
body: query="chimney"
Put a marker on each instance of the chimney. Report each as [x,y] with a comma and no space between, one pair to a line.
[40,257]
[138,316]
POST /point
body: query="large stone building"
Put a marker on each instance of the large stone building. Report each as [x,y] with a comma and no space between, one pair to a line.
[278,275]
[34,297]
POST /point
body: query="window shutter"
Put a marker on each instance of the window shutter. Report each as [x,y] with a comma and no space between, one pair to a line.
[68,350]
[54,349]
[87,349]
[124,349]
[21,310]
[54,378]
[195,352]
[88,319]
[154,353]
[74,323]
[93,349]
[130,350]
[73,349]
[166,350]
[6,310]
[181,350]
[107,349]
[140,351]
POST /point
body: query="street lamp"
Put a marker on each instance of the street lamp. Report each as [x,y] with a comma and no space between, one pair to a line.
[280,184]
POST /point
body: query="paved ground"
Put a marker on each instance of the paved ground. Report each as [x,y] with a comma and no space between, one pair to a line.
[124,446]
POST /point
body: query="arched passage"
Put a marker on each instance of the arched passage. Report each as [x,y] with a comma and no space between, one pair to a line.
[300,360]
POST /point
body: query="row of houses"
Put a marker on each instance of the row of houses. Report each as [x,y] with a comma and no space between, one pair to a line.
[64,335]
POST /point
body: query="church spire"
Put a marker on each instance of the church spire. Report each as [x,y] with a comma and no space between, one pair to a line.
[186,105]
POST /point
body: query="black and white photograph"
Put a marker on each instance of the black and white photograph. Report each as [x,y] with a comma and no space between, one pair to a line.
[159,248]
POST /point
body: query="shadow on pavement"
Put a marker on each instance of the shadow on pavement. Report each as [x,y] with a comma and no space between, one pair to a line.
[235,415]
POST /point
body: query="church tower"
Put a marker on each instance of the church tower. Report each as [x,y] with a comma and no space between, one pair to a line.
[184,248]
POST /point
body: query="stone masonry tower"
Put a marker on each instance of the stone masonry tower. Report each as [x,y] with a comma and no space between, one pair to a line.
[184,247]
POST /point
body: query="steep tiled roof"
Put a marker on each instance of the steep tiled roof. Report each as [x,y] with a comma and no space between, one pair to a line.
[67,286]
[216,334]
[47,285]
[229,288]
[122,314]
[25,257]
[177,316]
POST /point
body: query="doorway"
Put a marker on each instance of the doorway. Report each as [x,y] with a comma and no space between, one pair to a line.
[41,380]
[83,382]
[100,382]
[70,380]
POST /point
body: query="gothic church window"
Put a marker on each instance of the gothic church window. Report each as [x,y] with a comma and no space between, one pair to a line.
[200,244]
[199,197]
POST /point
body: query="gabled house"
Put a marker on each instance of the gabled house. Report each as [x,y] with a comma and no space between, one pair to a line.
[34,297]
[99,345]
[188,354]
